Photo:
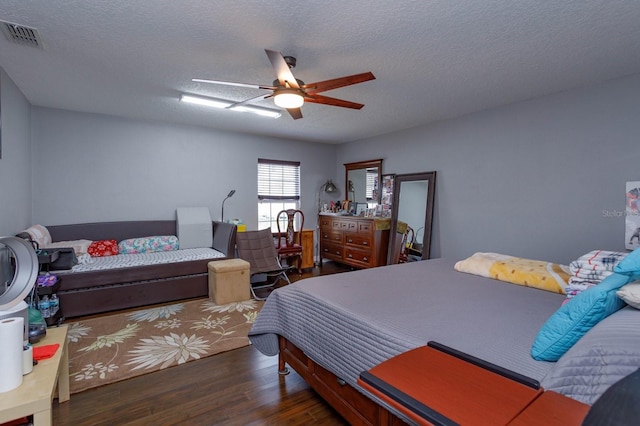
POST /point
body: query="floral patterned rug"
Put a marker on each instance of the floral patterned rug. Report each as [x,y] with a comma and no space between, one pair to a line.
[108,349]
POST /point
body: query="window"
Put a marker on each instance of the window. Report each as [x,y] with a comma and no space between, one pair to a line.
[278,189]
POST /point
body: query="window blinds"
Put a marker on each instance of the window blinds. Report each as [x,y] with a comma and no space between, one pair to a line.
[278,180]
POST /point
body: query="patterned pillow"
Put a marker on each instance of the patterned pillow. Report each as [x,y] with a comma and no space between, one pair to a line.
[39,234]
[149,244]
[103,248]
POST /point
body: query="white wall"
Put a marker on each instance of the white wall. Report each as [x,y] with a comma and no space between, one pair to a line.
[530,179]
[15,164]
[94,168]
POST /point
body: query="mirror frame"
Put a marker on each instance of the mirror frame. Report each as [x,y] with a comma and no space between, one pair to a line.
[362,165]
[430,177]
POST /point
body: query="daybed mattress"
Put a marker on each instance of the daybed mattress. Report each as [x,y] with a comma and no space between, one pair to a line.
[350,322]
[142,259]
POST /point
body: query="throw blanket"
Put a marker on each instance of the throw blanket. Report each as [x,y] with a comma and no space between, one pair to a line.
[527,272]
[589,269]
[595,266]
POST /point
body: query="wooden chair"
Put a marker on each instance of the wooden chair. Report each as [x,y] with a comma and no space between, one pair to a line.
[288,244]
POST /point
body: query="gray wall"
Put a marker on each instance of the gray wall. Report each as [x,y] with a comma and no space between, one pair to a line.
[531,179]
[15,165]
[93,168]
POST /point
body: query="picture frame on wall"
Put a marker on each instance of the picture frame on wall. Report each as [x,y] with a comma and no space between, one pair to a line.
[632,215]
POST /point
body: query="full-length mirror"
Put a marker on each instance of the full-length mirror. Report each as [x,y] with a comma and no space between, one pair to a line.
[411,218]
[362,182]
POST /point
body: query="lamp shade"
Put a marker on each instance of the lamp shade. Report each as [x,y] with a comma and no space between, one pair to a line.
[329,186]
[288,98]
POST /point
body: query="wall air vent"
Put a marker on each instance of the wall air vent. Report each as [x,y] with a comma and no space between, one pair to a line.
[21,34]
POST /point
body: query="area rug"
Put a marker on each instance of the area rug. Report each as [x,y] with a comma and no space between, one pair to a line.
[111,348]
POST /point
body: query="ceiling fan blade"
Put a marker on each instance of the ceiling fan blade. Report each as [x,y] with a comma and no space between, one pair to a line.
[322,86]
[282,69]
[325,100]
[250,100]
[231,83]
[295,113]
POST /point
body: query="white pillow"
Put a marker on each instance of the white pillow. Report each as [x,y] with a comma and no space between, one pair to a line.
[630,293]
[39,234]
[80,247]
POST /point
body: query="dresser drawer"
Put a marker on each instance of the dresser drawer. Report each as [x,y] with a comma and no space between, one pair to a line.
[329,237]
[358,240]
[361,257]
[332,250]
[326,223]
[365,227]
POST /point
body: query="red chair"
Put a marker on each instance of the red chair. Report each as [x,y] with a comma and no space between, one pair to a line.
[288,245]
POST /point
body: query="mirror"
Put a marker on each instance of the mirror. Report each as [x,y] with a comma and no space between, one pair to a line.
[18,271]
[411,218]
[362,181]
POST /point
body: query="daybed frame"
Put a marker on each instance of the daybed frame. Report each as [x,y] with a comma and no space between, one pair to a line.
[86,293]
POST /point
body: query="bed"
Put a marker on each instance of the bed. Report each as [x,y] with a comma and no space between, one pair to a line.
[109,283]
[331,328]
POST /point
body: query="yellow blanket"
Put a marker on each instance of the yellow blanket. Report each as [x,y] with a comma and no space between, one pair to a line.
[527,272]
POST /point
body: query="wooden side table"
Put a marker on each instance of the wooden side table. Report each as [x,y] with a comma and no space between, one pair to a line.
[35,394]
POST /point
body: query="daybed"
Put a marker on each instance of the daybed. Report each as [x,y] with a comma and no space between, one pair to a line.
[332,328]
[91,292]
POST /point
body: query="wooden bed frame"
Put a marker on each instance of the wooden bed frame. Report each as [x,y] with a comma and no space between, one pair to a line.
[354,406]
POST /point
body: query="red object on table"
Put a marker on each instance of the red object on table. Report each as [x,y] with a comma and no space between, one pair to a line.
[44,352]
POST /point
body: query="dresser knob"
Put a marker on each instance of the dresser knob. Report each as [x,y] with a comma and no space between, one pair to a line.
[365,243]
[351,256]
[365,259]
[350,240]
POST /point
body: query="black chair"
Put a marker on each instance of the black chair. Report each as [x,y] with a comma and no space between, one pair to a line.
[259,249]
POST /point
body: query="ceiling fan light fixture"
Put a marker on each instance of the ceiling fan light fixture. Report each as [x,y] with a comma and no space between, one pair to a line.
[288,98]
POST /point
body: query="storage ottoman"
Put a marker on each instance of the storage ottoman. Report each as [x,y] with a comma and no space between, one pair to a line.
[229,281]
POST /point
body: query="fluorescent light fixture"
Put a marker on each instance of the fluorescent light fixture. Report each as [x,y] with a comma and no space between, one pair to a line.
[200,100]
[225,104]
[266,112]
[288,98]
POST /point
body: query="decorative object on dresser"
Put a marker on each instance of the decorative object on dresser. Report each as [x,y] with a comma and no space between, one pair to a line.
[329,187]
[356,241]
[289,245]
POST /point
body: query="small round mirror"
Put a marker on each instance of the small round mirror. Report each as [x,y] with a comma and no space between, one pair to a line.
[18,271]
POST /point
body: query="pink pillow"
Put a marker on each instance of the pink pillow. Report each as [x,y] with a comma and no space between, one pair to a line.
[103,248]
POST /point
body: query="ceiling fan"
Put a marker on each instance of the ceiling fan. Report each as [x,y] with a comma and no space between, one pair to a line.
[290,93]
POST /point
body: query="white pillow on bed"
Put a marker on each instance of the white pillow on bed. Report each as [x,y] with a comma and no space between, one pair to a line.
[80,247]
[630,293]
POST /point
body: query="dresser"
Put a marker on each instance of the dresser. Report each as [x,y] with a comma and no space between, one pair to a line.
[356,241]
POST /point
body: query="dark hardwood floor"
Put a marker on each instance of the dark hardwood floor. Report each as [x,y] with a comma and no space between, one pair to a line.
[239,387]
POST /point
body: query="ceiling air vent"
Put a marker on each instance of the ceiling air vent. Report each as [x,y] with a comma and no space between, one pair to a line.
[21,34]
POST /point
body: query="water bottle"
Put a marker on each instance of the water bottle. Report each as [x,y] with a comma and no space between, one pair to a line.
[45,307]
[54,304]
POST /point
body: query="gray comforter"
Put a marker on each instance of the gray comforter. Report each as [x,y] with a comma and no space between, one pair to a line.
[350,322]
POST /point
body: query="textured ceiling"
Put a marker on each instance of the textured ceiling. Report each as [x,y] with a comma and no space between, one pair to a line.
[433,60]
